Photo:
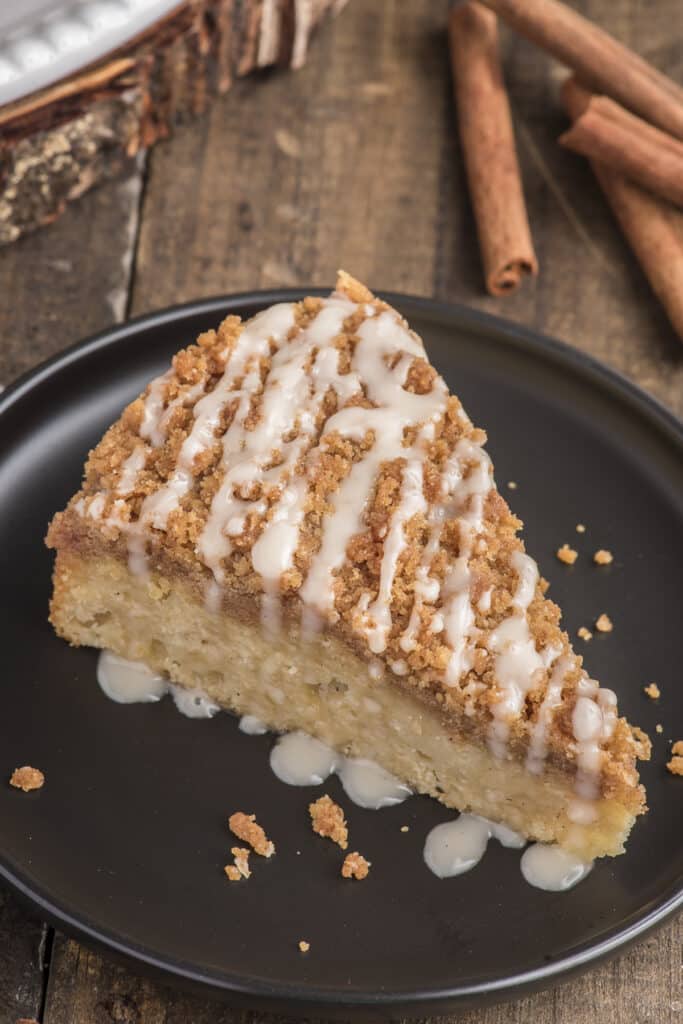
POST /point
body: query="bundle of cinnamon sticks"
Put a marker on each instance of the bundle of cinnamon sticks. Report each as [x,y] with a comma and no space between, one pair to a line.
[627,119]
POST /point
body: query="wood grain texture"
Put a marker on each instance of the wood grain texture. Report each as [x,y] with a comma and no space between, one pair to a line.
[352,161]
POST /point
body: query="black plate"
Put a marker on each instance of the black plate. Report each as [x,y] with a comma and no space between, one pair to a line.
[125,844]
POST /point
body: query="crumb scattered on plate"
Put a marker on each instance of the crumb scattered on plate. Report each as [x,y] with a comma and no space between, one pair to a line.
[355,866]
[232,872]
[512,484]
[675,765]
[604,624]
[246,828]
[405,828]
[304,946]
[27,778]
[327,819]
[603,557]
[580,528]
[659,728]
[241,855]
[566,554]
[653,691]
[584,633]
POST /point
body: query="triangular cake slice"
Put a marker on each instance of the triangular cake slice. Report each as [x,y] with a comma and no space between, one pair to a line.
[299,519]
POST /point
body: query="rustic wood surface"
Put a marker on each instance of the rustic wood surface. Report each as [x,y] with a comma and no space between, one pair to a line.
[351,162]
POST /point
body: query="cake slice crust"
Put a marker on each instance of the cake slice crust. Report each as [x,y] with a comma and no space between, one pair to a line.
[305,483]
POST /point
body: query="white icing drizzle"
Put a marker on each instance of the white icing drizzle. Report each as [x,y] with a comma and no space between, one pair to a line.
[552,868]
[128,682]
[132,682]
[538,747]
[396,409]
[252,726]
[593,721]
[130,470]
[369,785]
[301,760]
[457,846]
[517,662]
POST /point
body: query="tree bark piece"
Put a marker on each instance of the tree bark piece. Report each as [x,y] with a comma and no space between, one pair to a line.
[606,132]
[57,143]
[604,64]
[652,226]
[489,152]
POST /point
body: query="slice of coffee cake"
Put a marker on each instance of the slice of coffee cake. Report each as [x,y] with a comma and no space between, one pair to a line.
[299,519]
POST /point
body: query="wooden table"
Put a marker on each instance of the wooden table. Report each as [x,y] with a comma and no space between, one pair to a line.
[352,162]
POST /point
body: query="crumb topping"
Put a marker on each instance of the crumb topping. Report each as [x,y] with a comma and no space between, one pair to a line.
[355,866]
[566,554]
[27,778]
[603,557]
[653,691]
[327,819]
[604,624]
[245,827]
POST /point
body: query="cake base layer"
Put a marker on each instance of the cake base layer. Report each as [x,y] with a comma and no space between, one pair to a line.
[323,688]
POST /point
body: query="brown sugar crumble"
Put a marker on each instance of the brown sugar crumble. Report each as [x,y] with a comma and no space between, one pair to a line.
[304,946]
[27,778]
[584,633]
[653,691]
[604,624]
[355,866]
[675,765]
[327,819]
[566,554]
[246,828]
[603,557]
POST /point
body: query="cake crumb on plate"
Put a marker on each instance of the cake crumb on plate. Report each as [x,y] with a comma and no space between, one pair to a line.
[27,778]
[580,528]
[566,554]
[584,633]
[246,828]
[604,624]
[327,819]
[603,557]
[355,866]
[675,765]
[304,946]
[405,828]
[653,691]
[512,484]
[659,727]
[232,872]
[241,856]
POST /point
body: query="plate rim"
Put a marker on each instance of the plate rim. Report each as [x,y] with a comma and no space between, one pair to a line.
[256,991]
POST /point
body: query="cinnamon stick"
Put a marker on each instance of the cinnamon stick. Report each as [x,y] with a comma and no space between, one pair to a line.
[606,132]
[489,149]
[653,227]
[602,63]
